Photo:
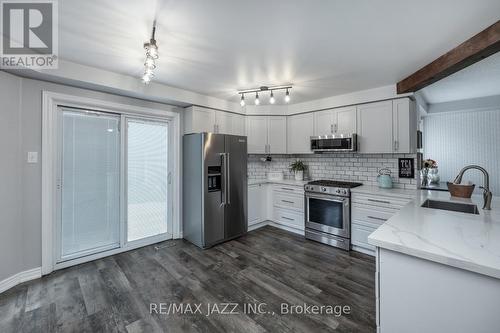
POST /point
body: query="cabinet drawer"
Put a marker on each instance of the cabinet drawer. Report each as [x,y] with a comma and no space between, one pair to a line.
[380,201]
[375,215]
[359,235]
[299,190]
[285,200]
[289,218]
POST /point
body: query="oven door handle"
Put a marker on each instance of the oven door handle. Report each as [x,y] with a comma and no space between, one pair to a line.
[328,198]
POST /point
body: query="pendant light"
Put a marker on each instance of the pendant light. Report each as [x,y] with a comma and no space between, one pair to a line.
[257,101]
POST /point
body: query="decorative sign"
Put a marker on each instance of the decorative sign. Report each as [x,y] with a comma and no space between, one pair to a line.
[406,168]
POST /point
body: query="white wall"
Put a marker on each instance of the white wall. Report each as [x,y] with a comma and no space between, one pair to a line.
[11,231]
[20,192]
[456,139]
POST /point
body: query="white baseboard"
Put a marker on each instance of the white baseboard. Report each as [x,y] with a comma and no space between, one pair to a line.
[362,250]
[287,228]
[277,225]
[258,225]
[20,277]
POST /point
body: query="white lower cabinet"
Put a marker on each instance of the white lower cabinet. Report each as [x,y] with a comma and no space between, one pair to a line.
[277,204]
[288,218]
[368,212]
[257,201]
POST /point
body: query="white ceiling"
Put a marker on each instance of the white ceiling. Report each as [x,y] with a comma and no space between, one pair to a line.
[478,80]
[325,48]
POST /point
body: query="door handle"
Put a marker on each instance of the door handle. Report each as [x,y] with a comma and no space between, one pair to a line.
[223,193]
[228,177]
[380,201]
[376,218]
[287,189]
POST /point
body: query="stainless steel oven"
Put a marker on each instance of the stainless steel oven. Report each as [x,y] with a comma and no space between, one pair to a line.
[328,212]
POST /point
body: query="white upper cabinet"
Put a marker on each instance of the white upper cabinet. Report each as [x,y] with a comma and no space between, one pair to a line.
[266,134]
[299,131]
[404,120]
[223,122]
[345,120]
[276,135]
[335,121]
[256,134]
[198,119]
[375,127]
[387,127]
[323,122]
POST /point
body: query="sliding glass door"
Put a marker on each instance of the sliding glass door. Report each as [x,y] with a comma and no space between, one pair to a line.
[89,183]
[147,178]
[113,187]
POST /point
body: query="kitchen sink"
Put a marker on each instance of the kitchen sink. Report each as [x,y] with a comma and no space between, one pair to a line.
[453,206]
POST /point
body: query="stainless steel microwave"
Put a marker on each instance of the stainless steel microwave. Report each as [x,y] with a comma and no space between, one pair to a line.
[334,142]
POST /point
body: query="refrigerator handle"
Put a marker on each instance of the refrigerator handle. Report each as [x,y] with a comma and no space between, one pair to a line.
[223,178]
[228,177]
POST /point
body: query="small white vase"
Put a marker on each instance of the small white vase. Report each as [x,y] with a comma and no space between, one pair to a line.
[299,175]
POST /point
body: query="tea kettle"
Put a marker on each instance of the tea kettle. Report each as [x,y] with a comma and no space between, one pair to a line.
[384,179]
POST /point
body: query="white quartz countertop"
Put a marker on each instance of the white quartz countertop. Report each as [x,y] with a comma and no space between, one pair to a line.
[393,192]
[466,241]
[291,182]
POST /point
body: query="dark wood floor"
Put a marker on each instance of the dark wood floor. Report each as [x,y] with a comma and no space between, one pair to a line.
[268,265]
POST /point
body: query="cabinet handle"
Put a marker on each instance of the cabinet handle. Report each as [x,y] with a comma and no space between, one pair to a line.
[396,145]
[287,201]
[376,218]
[288,189]
[287,218]
[380,201]
[331,129]
[336,127]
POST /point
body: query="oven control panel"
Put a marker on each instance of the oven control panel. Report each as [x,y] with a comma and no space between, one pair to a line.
[345,192]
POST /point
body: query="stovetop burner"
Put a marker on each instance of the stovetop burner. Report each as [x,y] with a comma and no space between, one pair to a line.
[334,183]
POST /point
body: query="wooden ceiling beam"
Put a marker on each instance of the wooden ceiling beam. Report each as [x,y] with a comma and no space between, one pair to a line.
[482,45]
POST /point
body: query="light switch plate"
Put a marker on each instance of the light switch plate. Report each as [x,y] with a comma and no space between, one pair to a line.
[32,157]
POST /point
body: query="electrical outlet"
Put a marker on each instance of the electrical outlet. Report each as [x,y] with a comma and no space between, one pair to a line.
[32,157]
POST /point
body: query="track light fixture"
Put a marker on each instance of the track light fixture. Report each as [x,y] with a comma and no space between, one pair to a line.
[151,49]
[272,99]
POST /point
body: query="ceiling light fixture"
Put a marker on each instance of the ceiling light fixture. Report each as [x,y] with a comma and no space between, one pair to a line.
[272,99]
[151,56]
[287,96]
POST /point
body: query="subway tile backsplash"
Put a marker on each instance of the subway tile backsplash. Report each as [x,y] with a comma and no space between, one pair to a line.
[339,166]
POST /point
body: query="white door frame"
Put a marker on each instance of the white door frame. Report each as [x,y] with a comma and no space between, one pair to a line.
[50,103]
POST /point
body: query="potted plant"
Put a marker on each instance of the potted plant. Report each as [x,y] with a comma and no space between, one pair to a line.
[429,166]
[298,167]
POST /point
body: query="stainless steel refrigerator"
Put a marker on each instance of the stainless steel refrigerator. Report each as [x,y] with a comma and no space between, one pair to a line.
[214,188]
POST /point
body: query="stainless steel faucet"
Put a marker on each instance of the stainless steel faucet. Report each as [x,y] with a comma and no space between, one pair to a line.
[487,195]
